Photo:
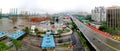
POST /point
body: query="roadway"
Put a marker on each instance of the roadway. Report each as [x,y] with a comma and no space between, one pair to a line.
[99,42]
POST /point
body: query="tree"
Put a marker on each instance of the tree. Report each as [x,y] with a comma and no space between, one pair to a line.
[110,30]
[42,32]
[74,26]
[15,27]
[117,31]
[51,22]
[37,31]
[26,30]
[106,28]
[3,46]
[57,20]
[103,28]
[17,44]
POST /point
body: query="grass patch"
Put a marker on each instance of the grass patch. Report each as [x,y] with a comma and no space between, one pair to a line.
[82,39]
[65,45]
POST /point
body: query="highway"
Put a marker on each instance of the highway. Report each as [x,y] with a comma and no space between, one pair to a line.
[99,42]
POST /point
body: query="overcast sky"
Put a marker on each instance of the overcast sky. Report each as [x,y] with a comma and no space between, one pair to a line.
[53,6]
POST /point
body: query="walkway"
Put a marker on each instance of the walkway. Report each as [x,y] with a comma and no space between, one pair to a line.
[100,32]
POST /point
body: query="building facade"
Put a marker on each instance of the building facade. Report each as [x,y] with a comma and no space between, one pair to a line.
[99,14]
[113,17]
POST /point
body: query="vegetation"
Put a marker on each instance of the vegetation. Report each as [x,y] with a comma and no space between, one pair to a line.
[66,30]
[42,32]
[15,27]
[103,27]
[52,31]
[80,18]
[73,26]
[37,31]
[88,17]
[51,22]
[65,45]
[110,30]
[17,44]
[115,31]
[57,20]
[3,46]
[60,31]
[82,39]
[27,30]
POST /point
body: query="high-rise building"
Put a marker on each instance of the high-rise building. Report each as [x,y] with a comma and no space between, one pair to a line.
[99,14]
[113,16]
[13,11]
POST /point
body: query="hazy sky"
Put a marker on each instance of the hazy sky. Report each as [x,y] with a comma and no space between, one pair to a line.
[53,6]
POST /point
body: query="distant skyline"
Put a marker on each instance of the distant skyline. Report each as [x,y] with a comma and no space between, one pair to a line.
[54,6]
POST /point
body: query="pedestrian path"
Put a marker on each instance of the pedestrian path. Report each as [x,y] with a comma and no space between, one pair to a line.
[100,32]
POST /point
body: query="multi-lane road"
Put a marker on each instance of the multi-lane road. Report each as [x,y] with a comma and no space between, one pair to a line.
[99,42]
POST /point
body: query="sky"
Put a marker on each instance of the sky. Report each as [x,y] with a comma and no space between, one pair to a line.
[54,6]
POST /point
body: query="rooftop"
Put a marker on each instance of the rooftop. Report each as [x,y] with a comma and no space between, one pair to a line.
[48,41]
[114,7]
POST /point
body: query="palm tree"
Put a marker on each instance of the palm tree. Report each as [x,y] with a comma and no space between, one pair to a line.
[3,46]
[37,32]
[17,44]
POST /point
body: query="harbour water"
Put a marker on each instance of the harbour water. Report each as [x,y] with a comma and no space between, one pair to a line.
[5,24]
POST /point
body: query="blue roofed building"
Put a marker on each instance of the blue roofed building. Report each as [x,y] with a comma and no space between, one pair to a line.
[48,42]
[16,35]
[2,35]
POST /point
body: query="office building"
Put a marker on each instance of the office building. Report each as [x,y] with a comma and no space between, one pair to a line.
[99,14]
[113,16]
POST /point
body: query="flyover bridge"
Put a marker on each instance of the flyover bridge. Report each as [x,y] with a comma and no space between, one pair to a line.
[98,41]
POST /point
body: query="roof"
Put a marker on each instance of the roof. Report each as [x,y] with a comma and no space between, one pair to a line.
[48,41]
[114,7]
[16,35]
[2,34]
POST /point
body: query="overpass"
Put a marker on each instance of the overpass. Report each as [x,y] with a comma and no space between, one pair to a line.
[99,42]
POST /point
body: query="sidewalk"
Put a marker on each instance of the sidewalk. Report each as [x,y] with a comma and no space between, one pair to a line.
[100,32]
